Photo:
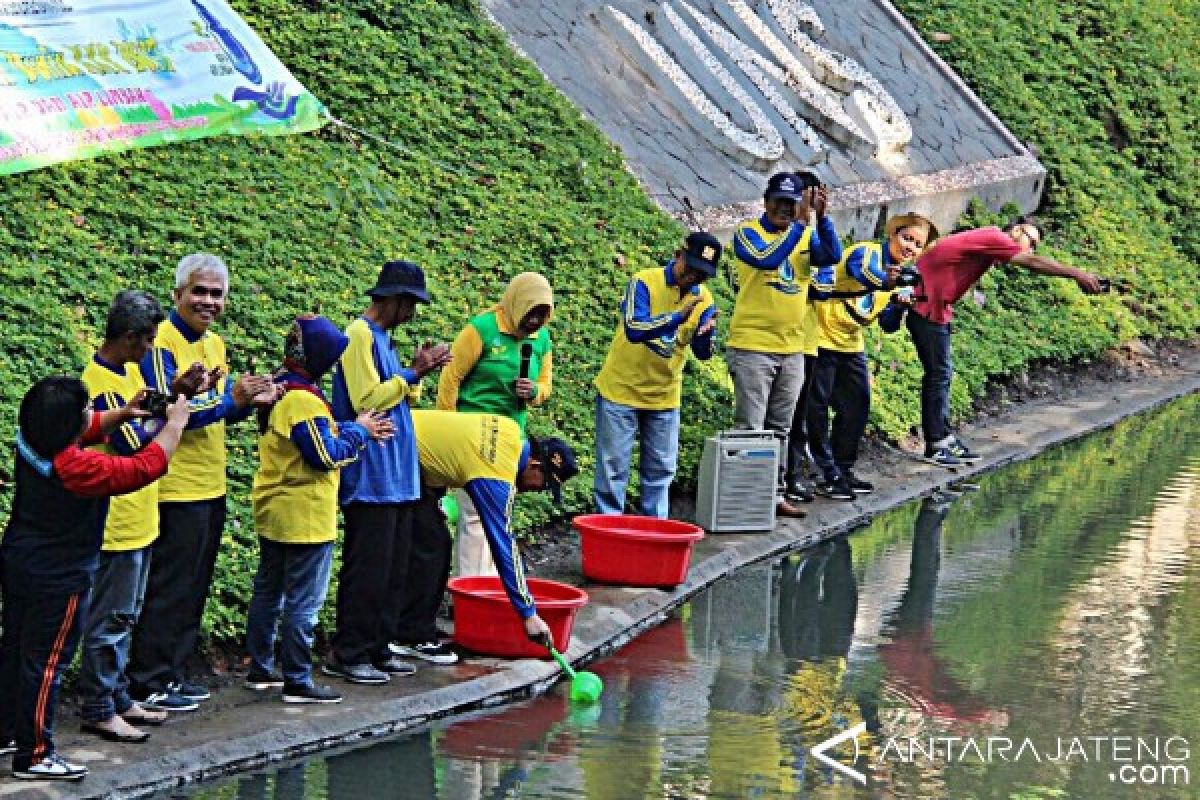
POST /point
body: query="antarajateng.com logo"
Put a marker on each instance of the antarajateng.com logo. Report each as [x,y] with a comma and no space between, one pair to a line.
[1131,760]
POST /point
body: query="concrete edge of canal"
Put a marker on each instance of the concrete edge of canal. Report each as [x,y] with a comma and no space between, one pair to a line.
[614,616]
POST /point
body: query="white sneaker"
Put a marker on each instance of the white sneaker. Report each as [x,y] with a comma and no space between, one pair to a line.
[52,768]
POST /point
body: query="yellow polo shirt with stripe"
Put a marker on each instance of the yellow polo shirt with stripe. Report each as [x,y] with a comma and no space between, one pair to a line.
[197,470]
[771,306]
[842,320]
[649,375]
[132,521]
[295,503]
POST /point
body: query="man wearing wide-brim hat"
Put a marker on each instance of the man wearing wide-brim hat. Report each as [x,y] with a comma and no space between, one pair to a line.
[379,492]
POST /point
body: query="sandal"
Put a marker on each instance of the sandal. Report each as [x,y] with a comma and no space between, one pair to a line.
[114,736]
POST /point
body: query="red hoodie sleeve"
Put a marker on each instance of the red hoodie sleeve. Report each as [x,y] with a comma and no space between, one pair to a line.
[88,473]
[94,434]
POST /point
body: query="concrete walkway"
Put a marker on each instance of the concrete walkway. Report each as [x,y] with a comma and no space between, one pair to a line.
[240,730]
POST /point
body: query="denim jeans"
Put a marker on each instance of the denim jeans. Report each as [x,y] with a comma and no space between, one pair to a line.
[616,428]
[291,581]
[932,342]
[108,632]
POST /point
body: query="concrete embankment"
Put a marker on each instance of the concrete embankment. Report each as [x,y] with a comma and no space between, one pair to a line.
[240,730]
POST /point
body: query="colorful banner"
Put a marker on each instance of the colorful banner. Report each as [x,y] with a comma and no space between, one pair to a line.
[79,78]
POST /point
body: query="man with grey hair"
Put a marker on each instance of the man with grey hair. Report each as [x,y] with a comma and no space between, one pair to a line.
[189,358]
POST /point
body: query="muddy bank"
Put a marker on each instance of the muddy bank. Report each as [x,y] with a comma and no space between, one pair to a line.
[242,730]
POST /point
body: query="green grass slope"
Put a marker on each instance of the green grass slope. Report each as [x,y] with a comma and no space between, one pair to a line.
[497,173]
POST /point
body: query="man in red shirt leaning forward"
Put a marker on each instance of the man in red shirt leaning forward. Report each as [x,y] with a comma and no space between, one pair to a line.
[947,271]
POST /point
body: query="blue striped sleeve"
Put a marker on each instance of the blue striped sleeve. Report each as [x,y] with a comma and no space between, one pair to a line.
[825,247]
[865,266]
[159,369]
[751,248]
[131,436]
[493,500]
[640,326]
[322,450]
[702,346]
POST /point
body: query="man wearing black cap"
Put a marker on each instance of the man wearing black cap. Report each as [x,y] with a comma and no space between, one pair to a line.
[665,311]
[485,455]
[378,493]
[773,257]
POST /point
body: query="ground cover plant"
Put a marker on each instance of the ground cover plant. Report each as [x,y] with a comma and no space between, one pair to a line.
[494,173]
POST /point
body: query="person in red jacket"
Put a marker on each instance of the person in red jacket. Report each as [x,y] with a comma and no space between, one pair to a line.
[51,549]
[948,270]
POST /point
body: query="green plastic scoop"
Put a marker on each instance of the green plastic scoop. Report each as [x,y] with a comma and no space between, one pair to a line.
[586,687]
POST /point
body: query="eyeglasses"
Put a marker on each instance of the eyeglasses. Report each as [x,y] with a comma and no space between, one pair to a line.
[1030,233]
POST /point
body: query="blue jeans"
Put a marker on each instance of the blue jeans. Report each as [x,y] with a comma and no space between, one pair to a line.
[292,581]
[616,428]
[108,632]
[933,348]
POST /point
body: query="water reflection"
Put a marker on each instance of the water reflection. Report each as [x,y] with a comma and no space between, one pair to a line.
[1059,600]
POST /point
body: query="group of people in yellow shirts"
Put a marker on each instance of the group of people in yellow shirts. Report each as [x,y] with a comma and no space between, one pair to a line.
[130,577]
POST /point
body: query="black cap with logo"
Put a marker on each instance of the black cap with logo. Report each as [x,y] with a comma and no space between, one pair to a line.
[558,463]
[702,251]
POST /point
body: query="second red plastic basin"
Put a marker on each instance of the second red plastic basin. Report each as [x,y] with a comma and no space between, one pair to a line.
[629,550]
[485,622]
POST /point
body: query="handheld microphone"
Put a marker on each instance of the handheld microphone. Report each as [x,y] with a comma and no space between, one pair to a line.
[526,355]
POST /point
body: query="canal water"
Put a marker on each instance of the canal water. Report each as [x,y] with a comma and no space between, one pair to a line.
[1055,610]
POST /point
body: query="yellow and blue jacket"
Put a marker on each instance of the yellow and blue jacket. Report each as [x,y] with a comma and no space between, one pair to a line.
[300,454]
[772,268]
[850,295]
[197,470]
[132,521]
[482,454]
[644,366]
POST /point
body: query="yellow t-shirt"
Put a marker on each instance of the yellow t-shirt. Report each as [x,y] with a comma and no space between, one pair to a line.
[768,316]
[197,470]
[132,521]
[458,447]
[841,320]
[649,375]
[294,503]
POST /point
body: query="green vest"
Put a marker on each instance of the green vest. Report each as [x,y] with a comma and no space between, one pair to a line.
[489,386]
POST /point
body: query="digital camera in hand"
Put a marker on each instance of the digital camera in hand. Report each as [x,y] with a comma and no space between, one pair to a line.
[908,277]
[157,403]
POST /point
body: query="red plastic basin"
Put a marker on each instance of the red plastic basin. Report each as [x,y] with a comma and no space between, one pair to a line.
[636,551]
[485,622]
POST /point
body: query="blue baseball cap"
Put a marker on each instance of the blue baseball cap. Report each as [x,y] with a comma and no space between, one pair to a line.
[400,277]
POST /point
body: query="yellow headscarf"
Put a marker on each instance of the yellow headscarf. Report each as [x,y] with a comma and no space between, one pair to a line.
[524,293]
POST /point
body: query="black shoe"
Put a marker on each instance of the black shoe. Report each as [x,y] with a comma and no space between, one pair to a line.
[799,492]
[963,453]
[835,490]
[310,693]
[394,665]
[433,652]
[51,768]
[8,748]
[260,681]
[363,674]
[857,484]
[167,701]
[943,457]
[189,690]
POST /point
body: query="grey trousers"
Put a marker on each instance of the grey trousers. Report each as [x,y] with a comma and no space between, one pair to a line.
[766,387]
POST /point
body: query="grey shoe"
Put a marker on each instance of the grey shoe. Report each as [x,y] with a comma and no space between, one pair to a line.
[395,665]
[363,674]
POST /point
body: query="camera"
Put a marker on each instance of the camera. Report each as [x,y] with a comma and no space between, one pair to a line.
[156,403]
[908,277]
